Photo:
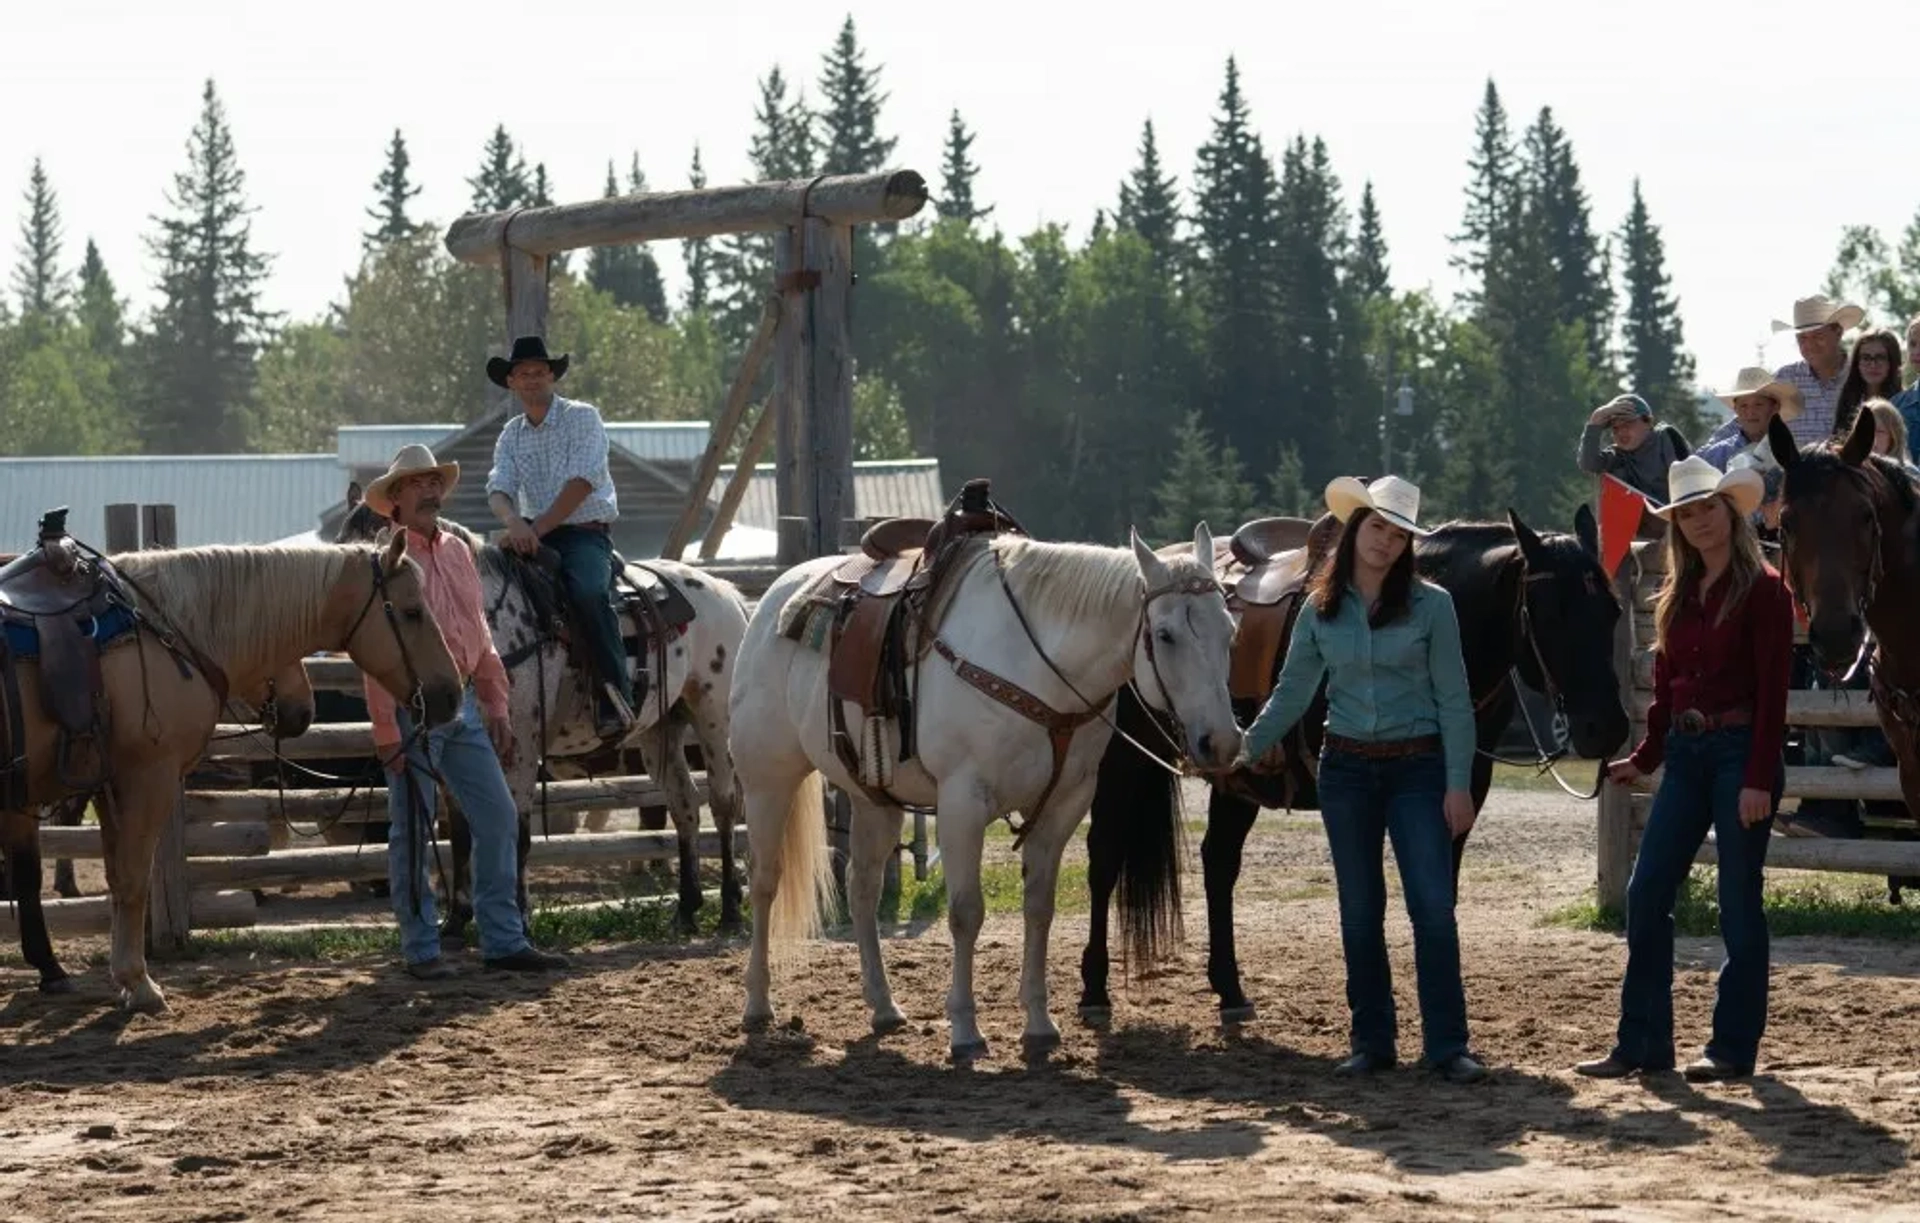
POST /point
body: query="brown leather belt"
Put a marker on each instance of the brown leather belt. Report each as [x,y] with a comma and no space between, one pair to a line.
[1382,750]
[1694,722]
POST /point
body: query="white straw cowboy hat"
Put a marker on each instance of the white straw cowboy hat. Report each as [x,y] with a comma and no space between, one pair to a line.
[1753,380]
[1390,497]
[1694,479]
[1813,313]
[411,461]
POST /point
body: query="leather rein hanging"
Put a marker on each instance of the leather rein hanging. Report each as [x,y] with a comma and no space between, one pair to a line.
[1544,760]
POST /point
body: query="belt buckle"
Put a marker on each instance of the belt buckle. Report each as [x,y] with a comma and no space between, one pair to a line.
[1692,721]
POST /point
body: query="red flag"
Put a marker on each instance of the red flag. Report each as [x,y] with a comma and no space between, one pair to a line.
[1620,510]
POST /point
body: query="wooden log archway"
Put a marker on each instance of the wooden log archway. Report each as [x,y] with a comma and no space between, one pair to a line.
[810,338]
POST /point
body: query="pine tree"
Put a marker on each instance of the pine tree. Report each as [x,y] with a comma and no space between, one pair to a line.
[539,195]
[957,174]
[38,281]
[1203,483]
[502,182]
[1320,364]
[1491,192]
[197,376]
[650,289]
[742,265]
[1236,246]
[1150,204]
[848,124]
[1368,270]
[697,253]
[98,308]
[628,273]
[1558,203]
[1658,368]
[395,191]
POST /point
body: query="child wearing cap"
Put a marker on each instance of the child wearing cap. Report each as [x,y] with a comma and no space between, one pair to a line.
[1641,452]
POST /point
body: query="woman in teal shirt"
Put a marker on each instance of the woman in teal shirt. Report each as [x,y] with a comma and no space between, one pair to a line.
[1397,762]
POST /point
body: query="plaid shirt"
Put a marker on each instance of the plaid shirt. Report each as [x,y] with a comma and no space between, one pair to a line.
[531,463]
[1816,419]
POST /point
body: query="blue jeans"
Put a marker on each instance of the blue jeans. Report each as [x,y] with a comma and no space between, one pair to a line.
[464,755]
[1362,802]
[586,572]
[1701,790]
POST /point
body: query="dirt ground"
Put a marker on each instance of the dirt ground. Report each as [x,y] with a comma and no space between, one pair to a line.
[281,1090]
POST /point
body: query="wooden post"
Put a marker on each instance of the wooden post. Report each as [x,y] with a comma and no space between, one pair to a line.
[170,890]
[1615,829]
[526,290]
[792,386]
[123,528]
[830,406]
[723,430]
[750,452]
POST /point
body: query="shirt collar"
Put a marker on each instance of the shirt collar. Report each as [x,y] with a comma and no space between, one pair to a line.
[554,411]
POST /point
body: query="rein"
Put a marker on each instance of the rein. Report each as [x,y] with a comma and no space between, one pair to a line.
[1544,760]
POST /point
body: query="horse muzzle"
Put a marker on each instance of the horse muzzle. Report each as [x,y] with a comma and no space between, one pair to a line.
[1214,751]
[441,703]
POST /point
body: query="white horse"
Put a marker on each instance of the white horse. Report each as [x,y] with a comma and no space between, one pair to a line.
[1101,616]
[546,689]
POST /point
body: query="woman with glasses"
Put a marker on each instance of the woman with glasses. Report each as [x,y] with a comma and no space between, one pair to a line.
[1873,372]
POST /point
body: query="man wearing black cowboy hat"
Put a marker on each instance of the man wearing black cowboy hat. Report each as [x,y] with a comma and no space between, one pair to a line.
[551,462]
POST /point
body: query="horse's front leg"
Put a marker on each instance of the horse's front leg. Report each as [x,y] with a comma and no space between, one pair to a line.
[666,763]
[961,831]
[453,928]
[142,803]
[1104,858]
[1229,820]
[23,875]
[64,883]
[708,713]
[1039,879]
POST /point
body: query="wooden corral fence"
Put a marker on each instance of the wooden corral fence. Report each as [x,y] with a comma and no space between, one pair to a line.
[1623,810]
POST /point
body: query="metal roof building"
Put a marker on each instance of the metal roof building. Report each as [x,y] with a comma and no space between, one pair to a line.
[218,498]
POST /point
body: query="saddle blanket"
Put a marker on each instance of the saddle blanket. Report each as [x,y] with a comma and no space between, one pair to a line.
[23,639]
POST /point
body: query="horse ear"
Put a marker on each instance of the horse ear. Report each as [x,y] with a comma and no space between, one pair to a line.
[1151,567]
[396,551]
[1859,443]
[1529,542]
[1203,544]
[1786,451]
[1586,530]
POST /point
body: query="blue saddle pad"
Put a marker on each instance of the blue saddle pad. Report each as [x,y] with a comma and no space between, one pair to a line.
[23,640]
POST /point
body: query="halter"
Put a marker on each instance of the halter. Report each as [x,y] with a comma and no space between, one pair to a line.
[416,699]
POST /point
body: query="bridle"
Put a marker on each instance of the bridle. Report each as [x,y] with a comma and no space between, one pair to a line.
[1902,703]
[1545,760]
[416,698]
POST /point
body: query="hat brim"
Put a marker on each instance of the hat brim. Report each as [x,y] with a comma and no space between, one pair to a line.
[1846,318]
[499,367]
[1743,487]
[1785,394]
[1345,494]
[376,494]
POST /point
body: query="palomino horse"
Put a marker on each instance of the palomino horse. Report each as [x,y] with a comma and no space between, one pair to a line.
[210,618]
[1536,605]
[284,707]
[548,691]
[1033,630]
[1848,519]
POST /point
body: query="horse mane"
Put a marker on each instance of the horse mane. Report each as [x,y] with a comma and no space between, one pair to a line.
[1821,465]
[1073,582]
[196,588]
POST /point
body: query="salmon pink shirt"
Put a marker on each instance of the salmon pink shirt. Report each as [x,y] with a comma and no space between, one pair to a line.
[451,585]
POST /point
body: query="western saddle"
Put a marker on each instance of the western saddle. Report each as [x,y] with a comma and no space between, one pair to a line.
[887,602]
[59,608]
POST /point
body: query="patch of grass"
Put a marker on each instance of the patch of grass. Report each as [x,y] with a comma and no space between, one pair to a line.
[1824,905]
[926,900]
[1578,773]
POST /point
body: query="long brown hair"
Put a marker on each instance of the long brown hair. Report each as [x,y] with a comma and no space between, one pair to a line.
[1685,568]
[1396,591]
[1854,389]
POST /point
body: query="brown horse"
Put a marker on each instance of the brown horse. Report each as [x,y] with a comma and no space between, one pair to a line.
[284,707]
[1849,521]
[247,612]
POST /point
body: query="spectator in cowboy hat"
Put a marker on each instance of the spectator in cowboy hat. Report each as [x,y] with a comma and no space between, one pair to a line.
[550,464]
[1754,397]
[1818,325]
[1908,401]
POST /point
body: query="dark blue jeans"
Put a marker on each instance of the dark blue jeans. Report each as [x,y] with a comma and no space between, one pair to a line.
[586,571]
[1363,802]
[1700,790]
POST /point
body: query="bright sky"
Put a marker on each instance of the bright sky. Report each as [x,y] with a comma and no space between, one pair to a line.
[1748,152]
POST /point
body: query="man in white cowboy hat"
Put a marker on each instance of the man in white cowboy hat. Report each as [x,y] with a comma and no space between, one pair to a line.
[1818,325]
[1754,397]
[466,752]
[551,485]
[1908,401]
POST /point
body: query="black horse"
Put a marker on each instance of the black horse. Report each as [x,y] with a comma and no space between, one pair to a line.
[1537,605]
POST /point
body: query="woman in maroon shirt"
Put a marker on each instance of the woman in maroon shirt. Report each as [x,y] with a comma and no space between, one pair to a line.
[1723,639]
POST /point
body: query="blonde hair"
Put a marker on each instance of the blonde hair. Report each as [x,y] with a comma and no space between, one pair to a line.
[1890,419]
[1685,568]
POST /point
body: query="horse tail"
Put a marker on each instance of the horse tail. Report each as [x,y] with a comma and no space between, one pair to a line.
[806,897]
[1142,800]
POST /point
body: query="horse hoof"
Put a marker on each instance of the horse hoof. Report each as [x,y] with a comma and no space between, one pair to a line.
[970,1051]
[886,1025]
[58,985]
[1244,1013]
[1036,1046]
[1100,1017]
